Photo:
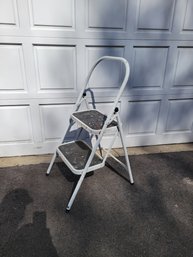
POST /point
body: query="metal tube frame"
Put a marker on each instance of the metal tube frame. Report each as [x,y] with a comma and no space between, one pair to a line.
[112,115]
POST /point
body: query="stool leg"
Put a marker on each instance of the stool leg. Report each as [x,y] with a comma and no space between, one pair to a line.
[84,172]
[125,150]
[70,203]
[51,164]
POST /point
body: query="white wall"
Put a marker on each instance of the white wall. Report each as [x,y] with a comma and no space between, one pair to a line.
[48,46]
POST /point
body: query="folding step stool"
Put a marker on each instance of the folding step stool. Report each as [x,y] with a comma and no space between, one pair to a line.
[78,155]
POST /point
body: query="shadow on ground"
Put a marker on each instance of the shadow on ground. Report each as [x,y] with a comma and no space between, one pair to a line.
[32,239]
[109,218]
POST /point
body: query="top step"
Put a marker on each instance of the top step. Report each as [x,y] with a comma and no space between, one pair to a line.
[92,120]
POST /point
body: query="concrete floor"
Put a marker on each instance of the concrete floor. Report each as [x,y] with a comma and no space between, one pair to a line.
[109,218]
[37,159]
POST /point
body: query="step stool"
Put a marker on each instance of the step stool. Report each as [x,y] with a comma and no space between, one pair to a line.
[80,157]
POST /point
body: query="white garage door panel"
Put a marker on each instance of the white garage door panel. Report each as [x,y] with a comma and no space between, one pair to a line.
[54,120]
[188,23]
[149,66]
[183,74]
[48,47]
[144,116]
[155,15]
[8,12]
[55,67]
[15,124]
[12,72]
[184,120]
[101,14]
[53,13]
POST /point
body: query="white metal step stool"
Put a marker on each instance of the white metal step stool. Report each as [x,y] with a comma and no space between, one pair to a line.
[79,156]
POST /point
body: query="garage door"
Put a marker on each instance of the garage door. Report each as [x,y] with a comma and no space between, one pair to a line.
[48,46]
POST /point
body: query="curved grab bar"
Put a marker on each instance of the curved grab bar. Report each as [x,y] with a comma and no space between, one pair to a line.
[124,82]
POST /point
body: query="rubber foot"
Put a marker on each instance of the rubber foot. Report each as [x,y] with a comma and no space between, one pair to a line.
[47,174]
[67,211]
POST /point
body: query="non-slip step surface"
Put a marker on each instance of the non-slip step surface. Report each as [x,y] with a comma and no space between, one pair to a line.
[77,153]
[93,119]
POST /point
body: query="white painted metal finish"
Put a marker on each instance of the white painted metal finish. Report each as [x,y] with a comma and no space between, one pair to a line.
[112,115]
[48,47]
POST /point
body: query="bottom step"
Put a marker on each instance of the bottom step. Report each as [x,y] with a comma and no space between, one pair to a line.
[75,155]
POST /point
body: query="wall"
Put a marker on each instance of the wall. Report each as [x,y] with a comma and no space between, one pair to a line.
[47,48]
